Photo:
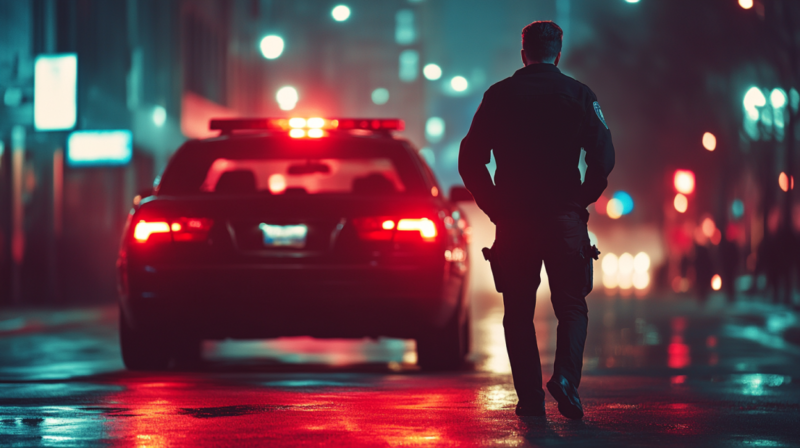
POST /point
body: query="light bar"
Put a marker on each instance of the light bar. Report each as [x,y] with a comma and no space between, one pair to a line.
[288,124]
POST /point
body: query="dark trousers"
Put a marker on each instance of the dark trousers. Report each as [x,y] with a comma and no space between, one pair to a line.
[561,244]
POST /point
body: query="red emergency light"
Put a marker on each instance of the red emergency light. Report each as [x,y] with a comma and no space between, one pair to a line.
[313,127]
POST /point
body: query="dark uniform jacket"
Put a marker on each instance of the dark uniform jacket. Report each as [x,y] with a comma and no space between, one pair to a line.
[536,122]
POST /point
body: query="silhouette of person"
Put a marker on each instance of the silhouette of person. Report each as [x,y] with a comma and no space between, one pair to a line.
[536,122]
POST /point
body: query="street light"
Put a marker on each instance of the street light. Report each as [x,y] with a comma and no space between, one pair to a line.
[746,4]
[432,72]
[752,99]
[777,98]
[681,203]
[459,83]
[340,13]
[709,141]
[287,97]
[271,46]
[684,181]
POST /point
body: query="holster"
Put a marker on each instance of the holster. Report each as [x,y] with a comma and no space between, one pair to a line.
[490,254]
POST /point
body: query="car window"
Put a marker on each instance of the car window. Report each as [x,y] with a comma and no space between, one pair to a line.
[311,176]
[289,167]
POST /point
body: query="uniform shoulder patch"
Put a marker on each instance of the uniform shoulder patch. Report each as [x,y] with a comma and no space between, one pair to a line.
[599,113]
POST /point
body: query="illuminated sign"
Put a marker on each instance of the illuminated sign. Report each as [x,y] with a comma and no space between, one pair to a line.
[55,92]
[97,148]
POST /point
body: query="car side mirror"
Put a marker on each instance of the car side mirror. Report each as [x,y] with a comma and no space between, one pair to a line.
[141,195]
[460,194]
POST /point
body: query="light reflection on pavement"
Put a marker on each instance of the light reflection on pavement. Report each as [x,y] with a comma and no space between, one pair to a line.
[67,388]
[661,371]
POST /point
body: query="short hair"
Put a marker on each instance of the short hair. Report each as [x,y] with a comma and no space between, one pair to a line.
[541,41]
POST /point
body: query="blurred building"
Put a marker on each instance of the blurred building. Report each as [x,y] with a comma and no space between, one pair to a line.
[161,69]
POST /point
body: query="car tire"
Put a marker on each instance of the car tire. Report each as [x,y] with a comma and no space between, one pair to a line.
[444,349]
[142,350]
[188,353]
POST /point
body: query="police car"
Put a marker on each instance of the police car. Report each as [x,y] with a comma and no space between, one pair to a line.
[330,228]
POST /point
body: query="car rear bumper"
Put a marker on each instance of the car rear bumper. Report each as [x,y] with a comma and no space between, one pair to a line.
[286,300]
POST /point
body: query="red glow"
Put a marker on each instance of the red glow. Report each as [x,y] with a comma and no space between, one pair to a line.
[684,181]
[388,229]
[601,204]
[277,183]
[191,229]
[143,230]
[783,182]
[678,353]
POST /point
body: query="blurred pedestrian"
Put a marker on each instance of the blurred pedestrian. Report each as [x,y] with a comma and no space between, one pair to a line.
[730,259]
[536,122]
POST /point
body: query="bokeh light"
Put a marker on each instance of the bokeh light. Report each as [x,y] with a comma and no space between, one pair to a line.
[777,98]
[641,262]
[432,72]
[709,141]
[271,46]
[737,208]
[783,182]
[709,227]
[625,264]
[459,83]
[746,4]
[641,280]
[287,97]
[681,203]
[626,200]
[277,182]
[159,116]
[340,13]
[380,96]
[684,181]
[753,99]
[716,282]
[434,129]
[614,208]
[601,205]
[610,264]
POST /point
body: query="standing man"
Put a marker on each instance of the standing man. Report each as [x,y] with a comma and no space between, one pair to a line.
[536,122]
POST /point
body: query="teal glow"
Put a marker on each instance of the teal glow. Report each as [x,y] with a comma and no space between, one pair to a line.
[626,200]
[99,148]
[340,13]
[55,88]
[737,208]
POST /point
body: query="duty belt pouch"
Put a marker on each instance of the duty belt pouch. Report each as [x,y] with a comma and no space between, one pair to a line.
[491,256]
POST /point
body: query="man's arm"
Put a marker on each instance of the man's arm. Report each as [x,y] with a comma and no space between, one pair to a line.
[596,141]
[475,153]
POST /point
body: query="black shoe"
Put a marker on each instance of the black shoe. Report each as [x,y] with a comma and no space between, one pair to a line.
[524,410]
[569,403]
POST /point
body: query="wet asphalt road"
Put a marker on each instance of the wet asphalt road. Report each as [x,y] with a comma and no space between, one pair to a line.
[658,372]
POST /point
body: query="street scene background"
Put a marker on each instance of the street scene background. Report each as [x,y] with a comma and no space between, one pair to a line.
[694,338]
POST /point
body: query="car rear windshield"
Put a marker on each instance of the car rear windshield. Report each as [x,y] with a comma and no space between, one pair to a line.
[286,166]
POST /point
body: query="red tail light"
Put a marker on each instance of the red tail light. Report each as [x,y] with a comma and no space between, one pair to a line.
[143,230]
[183,229]
[191,229]
[387,228]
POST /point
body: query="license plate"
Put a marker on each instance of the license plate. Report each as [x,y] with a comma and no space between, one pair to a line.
[293,236]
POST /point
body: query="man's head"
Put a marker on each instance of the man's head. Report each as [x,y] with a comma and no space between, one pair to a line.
[541,43]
